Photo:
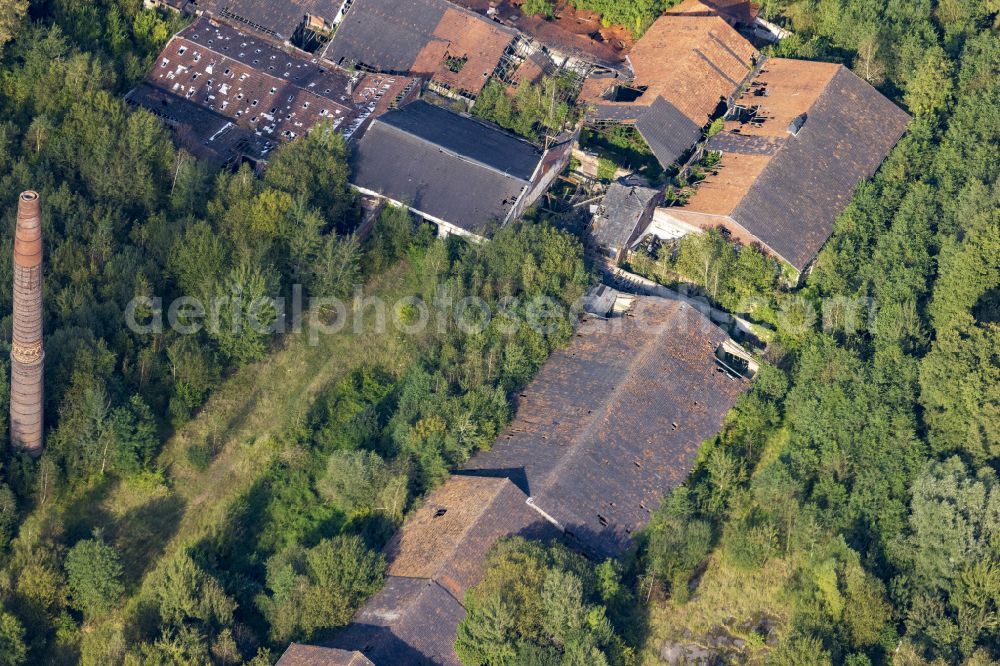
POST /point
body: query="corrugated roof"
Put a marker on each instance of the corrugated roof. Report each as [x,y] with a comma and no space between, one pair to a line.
[615,421]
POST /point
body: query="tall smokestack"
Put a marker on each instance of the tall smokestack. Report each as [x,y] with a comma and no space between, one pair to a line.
[26,354]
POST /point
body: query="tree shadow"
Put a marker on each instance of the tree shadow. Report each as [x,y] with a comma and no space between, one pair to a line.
[142,534]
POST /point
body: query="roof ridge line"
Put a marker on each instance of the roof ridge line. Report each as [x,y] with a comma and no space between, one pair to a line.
[637,360]
[465,158]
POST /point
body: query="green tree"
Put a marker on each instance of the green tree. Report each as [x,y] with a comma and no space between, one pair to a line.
[929,89]
[318,588]
[12,15]
[13,651]
[94,573]
[538,7]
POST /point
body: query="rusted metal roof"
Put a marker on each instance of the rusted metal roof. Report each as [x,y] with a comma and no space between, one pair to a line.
[787,189]
[613,422]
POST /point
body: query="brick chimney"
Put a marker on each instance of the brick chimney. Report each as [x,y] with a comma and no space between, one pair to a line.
[26,354]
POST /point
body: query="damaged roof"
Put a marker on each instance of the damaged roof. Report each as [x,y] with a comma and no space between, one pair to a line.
[450,45]
[204,133]
[445,165]
[276,19]
[690,58]
[573,32]
[439,553]
[808,134]
[278,95]
[620,213]
[615,421]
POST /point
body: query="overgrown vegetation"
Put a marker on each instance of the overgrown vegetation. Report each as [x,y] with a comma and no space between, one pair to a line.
[533,110]
[243,482]
[542,604]
[634,15]
[623,145]
[854,482]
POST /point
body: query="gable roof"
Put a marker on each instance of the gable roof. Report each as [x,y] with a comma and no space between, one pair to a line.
[690,57]
[445,165]
[439,553]
[410,621]
[785,188]
[298,654]
[694,60]
[667,131]
[419,37]
[447,538]
[615,421]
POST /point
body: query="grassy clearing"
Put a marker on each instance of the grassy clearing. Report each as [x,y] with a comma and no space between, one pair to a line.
[725,599]
[151,518]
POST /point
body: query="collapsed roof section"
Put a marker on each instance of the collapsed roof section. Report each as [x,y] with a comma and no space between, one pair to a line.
[687,67]
[207,135]
[796,145]
[621,213]
[572,33]
[272,94]
[455,171]
[451,46]
[615,421]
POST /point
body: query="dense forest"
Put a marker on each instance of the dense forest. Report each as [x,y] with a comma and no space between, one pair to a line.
[848,513]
